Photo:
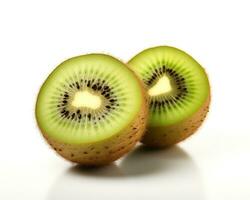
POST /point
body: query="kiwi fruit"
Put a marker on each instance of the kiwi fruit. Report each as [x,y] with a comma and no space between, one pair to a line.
[178,90]
[92,109]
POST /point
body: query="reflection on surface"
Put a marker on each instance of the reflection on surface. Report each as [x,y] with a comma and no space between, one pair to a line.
[144,173]
[147,161]
[109,171]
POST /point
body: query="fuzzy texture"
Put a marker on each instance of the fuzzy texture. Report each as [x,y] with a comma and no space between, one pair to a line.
[173,134]
[108,150]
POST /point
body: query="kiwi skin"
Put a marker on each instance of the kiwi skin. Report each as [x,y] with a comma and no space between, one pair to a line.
[161,137]
[167,136]
[106,151]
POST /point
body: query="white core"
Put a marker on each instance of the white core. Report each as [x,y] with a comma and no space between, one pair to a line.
[86,99]
[162,86]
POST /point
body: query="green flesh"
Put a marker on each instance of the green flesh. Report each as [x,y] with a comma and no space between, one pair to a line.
[104,79]
[188,80]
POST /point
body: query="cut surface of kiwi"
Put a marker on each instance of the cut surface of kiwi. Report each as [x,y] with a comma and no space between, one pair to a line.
[178,89]
[85,110]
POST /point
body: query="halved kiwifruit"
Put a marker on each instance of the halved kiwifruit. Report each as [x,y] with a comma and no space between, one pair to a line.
[92,109]
[178,90]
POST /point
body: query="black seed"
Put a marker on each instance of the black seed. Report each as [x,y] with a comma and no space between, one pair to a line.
[66,95]
[80,116]
[64,101]
[78,111]
[107,90]
[77,85]
[63,111]
[171,101]
[94,87]
[108,107]
[103,92]
[107,95]
[88,84]
[89,116]
[66,113]
[175,100]
[73,116]
[99,88]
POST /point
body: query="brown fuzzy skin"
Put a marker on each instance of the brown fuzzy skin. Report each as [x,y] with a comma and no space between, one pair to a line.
[167,136]
[108,150]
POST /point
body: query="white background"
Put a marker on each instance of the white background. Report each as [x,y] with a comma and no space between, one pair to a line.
[35,36]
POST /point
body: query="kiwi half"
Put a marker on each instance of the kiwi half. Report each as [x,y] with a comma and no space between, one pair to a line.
[85,111]
[179,94]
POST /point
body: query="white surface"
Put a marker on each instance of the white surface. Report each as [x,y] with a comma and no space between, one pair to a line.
[35,36]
